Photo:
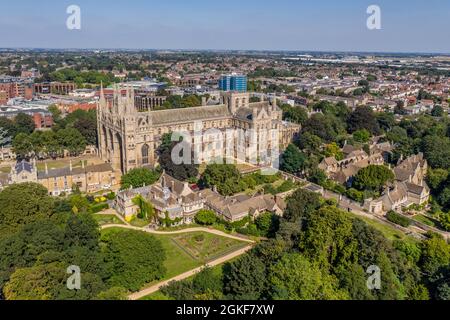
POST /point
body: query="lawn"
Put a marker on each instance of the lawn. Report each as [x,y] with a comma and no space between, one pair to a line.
[104,219]
[426,220]
[217,270]
[389,232]
[205,247]
[59,164]
[180,259]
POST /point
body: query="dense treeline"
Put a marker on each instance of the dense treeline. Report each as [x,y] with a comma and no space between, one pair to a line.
[71,133]
[320,252]
[41,236]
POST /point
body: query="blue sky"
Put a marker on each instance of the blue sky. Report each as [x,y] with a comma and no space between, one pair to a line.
[319,25]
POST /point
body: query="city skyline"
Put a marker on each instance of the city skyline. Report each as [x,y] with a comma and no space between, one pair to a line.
[412,26]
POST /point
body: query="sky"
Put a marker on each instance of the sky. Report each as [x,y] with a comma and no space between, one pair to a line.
[304,25]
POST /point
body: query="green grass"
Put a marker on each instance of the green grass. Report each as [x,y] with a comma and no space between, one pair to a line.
[104,219]
[179,261]
[158,295]
[389,232]
[426,220]
[140,223]
[59,164]
[206,247]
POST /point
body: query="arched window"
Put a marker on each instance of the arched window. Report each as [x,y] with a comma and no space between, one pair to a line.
[145,150]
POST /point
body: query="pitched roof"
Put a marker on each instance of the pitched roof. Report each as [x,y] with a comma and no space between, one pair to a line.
[189,114]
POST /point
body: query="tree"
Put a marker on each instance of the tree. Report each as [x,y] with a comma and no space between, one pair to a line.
[301,204]
[362,136]
[295,278]
[113,294]
[146,210]
[206,217]
[182,172]
[225,177]
[437,151]
[294,114]
[24,123]
[436,178]
[437,111]
[133,259]
[8,127]
[333,150]
[363,118]
[245,278]
[309,143]
[206,282]
[22,204]
[293,160]
[373,178]
[138,178]
[267,224]
[88,129]
[435,255]
[22,146]
[71,140]
[36,283]
[56,113]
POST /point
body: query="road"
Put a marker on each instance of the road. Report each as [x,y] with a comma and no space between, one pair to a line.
[158,286]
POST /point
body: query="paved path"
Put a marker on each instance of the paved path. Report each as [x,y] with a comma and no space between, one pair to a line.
[190,230]
[158,286]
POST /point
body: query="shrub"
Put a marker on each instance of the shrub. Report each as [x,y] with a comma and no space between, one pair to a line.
[99,207]
[206,217]
[398,219]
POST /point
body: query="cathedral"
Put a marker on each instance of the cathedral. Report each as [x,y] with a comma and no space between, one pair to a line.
[129,137]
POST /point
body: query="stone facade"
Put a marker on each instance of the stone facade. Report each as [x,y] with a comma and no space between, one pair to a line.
[167,196]
[129,138]
[89,179]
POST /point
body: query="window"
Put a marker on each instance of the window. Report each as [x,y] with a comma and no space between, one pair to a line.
[145,150]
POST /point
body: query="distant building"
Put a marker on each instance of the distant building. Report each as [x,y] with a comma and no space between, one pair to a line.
[13,87]
[54,87]
[42,118]
[233,82]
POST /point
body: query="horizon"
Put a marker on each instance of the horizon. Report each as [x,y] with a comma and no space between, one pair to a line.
[406,26]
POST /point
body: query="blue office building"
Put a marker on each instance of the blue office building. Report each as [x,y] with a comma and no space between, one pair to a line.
[233,82]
